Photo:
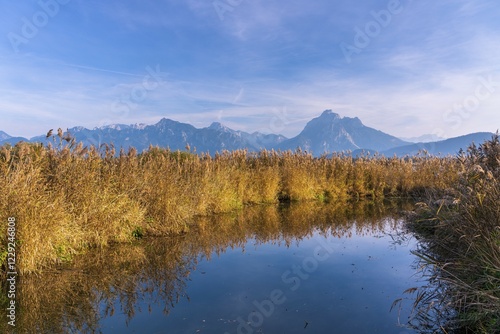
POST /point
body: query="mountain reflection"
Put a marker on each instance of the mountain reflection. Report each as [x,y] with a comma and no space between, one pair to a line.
[156,270]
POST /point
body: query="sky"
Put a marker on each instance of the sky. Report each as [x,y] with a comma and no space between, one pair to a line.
[404,67]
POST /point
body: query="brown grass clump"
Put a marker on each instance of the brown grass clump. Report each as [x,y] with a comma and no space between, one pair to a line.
[461,253]
[67,198]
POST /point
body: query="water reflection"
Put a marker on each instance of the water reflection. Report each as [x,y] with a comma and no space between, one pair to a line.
[115,289]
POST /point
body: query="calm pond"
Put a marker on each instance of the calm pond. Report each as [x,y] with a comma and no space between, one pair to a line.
[301,268]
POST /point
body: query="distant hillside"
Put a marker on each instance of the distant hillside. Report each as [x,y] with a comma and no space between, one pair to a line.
[427,138]
[4,136]
[7,139]
[444,147]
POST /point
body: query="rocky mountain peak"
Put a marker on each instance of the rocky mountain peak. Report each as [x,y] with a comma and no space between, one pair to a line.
[329,114]
[217,126]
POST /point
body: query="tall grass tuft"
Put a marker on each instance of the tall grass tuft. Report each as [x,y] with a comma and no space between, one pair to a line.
[67,198]
[462,250]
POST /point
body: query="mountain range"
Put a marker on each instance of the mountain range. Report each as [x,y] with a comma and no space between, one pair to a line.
[427,138]
[324,134]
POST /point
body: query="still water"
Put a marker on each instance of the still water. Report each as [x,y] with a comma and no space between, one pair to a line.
[303,268]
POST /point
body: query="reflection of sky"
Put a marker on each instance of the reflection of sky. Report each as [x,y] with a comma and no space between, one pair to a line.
[350,291]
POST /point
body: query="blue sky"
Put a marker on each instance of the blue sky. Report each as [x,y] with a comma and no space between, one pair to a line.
[405,67]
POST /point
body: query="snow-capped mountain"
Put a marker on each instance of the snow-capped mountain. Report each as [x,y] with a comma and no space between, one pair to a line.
[174,135]
[324,134]
[443,147]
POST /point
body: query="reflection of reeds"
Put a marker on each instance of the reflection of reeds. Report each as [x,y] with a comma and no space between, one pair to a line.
[74,299]
[461,253]
[76,296]
[67,198]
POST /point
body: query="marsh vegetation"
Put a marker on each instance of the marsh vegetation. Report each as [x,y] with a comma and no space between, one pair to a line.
[460,247]
[69,200]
